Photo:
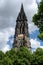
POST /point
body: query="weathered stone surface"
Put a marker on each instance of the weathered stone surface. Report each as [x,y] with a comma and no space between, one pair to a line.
[21,37]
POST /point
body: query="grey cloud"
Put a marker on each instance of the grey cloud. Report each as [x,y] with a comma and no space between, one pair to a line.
[9,12]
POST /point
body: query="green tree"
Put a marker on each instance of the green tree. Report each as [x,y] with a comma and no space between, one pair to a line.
[22,61]
[11,55]
[7,61]
[38,19]
[1,57]
[37,57]
[24,53]
[24,56]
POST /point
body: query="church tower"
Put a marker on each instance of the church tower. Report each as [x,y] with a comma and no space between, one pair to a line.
[21,37]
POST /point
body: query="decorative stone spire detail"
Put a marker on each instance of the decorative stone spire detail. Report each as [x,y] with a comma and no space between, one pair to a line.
[21,37]
[21,16]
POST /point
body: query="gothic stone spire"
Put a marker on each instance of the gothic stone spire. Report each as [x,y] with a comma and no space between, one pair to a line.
[21,37]
[21,15]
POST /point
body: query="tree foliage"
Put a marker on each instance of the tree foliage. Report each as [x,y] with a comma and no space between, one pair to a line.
[37,57]
[23,56]
[38,19]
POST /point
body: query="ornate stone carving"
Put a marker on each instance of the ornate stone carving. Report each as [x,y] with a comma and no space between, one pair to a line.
[21,37]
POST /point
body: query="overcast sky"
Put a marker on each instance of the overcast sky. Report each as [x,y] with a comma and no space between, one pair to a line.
[9,10]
